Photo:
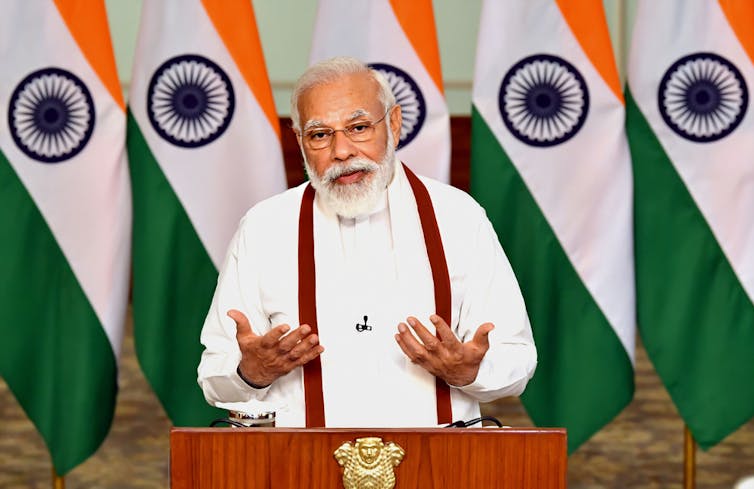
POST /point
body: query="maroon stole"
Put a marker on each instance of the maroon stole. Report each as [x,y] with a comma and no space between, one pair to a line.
[307,294]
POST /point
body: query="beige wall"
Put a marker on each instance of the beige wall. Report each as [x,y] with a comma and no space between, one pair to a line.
[285,27]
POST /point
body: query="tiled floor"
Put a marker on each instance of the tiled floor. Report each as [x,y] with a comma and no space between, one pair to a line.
[642,448]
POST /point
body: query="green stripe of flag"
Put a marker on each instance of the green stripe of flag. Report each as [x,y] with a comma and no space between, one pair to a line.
[173,283]
[695,319]
[584,377]
[54,353]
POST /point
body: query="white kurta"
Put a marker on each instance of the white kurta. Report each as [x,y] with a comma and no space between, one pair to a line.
[376,266]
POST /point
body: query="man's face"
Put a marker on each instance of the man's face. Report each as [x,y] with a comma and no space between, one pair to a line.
[369,451]
[335,105]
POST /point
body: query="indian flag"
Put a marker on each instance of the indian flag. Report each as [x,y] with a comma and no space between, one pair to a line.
[397,38]
[65,212]
[550,164]
[691,130]
[204,146]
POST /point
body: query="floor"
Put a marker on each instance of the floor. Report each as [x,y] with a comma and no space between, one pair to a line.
[641,448]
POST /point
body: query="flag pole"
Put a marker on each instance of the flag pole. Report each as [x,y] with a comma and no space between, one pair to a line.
[58,481]
[689,459]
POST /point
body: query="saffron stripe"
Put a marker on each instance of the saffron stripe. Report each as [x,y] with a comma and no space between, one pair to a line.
[589,26]
[87,22]
[237,26]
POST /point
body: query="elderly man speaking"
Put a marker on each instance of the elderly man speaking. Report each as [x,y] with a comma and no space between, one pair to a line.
[367,297]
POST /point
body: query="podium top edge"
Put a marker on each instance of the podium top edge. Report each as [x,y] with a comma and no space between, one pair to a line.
[516,430]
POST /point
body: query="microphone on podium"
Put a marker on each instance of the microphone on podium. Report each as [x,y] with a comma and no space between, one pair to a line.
[465,424]
[240,419]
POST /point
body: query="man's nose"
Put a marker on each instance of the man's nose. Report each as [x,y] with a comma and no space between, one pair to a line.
[342,147]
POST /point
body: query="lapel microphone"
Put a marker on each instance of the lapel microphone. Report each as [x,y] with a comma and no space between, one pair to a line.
[363,327]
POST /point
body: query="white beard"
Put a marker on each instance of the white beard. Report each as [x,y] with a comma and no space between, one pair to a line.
[354,199]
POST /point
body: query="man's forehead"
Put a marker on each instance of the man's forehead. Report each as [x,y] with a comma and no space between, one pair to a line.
[342,99]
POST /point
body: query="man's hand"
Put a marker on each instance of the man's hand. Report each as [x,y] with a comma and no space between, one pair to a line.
[445,357]
[266,358]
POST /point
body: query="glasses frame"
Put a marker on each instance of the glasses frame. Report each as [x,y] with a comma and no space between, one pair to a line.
[330,132]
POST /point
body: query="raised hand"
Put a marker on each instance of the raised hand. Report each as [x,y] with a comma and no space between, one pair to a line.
[445,357]
[266,358]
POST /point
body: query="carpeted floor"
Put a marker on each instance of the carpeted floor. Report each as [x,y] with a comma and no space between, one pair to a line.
[642,448]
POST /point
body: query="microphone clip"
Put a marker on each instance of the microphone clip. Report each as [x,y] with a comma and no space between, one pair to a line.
[363,327]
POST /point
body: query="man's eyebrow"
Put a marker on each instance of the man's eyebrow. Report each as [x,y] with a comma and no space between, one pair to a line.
[313,123]
[356,114]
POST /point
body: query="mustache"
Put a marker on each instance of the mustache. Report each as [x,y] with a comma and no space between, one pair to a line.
[351,166]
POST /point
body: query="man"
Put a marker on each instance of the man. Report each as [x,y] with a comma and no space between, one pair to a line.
[367,297]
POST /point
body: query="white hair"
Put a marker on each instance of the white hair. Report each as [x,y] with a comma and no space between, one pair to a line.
[355,199]
[331,70]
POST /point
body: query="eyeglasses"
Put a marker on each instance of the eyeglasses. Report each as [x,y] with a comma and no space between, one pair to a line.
[358,132]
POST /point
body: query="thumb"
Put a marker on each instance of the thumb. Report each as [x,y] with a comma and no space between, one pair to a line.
[242,322]
[481,337]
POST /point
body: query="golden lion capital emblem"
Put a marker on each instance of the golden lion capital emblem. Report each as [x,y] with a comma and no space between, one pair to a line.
[368,463]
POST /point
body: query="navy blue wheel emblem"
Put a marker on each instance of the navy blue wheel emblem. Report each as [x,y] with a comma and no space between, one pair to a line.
[543,100]
[408,96]
[702,97]
[51,115]
[190,101]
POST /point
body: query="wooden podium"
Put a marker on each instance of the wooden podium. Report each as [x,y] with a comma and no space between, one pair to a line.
[277,458]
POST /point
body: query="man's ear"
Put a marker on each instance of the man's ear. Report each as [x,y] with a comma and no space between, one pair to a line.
[396,121]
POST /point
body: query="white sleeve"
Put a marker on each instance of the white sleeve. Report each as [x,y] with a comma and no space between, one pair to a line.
[492,295]
[237,288]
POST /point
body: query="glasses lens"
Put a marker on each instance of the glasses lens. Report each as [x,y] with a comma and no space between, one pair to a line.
[360,132]
[318,138]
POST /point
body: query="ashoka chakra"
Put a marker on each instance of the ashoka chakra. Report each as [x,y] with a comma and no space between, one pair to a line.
[51,115]
[190,101]
[408,96]
[703,97]
[543,100]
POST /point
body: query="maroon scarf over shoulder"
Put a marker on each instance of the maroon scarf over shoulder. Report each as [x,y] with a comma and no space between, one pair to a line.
[307,294]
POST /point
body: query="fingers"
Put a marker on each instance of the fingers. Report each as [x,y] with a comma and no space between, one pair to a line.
[294,349]
[303,349]
[310,355]
[271,339]
[239,317]
[268,357]
[430,341]
[243,327]
[482,336]
[409,345]
[275,338]
[443,331]
[444,355]
[424,352]
[288,342]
